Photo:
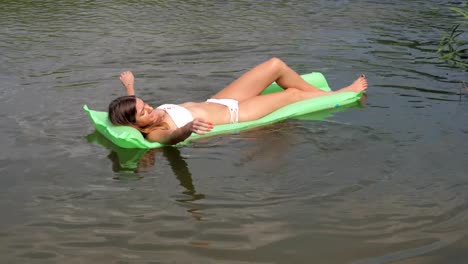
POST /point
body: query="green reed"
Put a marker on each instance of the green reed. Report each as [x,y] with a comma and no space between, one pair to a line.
[451,48]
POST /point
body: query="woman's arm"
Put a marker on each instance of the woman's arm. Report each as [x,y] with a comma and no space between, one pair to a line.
[172,137]
[128,81]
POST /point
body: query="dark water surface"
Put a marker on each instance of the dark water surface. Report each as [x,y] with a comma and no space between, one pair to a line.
[383,183]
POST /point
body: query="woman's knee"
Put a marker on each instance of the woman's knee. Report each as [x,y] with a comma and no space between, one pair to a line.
[276,63]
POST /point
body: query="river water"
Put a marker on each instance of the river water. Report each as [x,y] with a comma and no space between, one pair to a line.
[382,182]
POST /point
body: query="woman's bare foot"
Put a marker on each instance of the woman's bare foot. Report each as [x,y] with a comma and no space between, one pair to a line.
[359,85]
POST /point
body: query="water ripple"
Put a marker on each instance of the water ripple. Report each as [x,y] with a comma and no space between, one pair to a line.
[382,182]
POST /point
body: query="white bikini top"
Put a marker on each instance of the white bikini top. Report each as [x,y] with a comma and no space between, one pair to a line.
[180,115]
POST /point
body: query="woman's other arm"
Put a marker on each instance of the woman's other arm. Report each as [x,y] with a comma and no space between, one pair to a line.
[172,137]
[128,81]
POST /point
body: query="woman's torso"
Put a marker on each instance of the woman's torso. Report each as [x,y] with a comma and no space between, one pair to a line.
[211,112]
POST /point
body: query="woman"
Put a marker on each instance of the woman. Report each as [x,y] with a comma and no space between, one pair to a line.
[240,101]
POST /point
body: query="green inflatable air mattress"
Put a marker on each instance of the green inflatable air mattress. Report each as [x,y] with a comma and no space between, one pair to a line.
[129,137]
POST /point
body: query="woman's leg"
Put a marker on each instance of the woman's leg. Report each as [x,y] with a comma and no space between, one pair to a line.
[261,105]
[253,82]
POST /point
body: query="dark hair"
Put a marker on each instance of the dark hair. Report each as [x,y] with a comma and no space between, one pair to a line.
[122,110]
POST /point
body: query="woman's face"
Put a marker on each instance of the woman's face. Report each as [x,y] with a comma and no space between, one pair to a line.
[145,114]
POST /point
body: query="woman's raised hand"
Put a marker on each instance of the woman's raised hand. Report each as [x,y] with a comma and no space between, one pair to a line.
[128,81]
[200,126]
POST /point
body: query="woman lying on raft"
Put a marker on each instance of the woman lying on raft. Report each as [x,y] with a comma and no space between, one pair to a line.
[240,101]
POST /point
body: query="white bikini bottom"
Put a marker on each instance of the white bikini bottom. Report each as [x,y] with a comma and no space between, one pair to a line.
[232,105]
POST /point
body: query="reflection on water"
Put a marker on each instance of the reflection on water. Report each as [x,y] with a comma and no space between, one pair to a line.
[130,163]
[124,160]
[384,183]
